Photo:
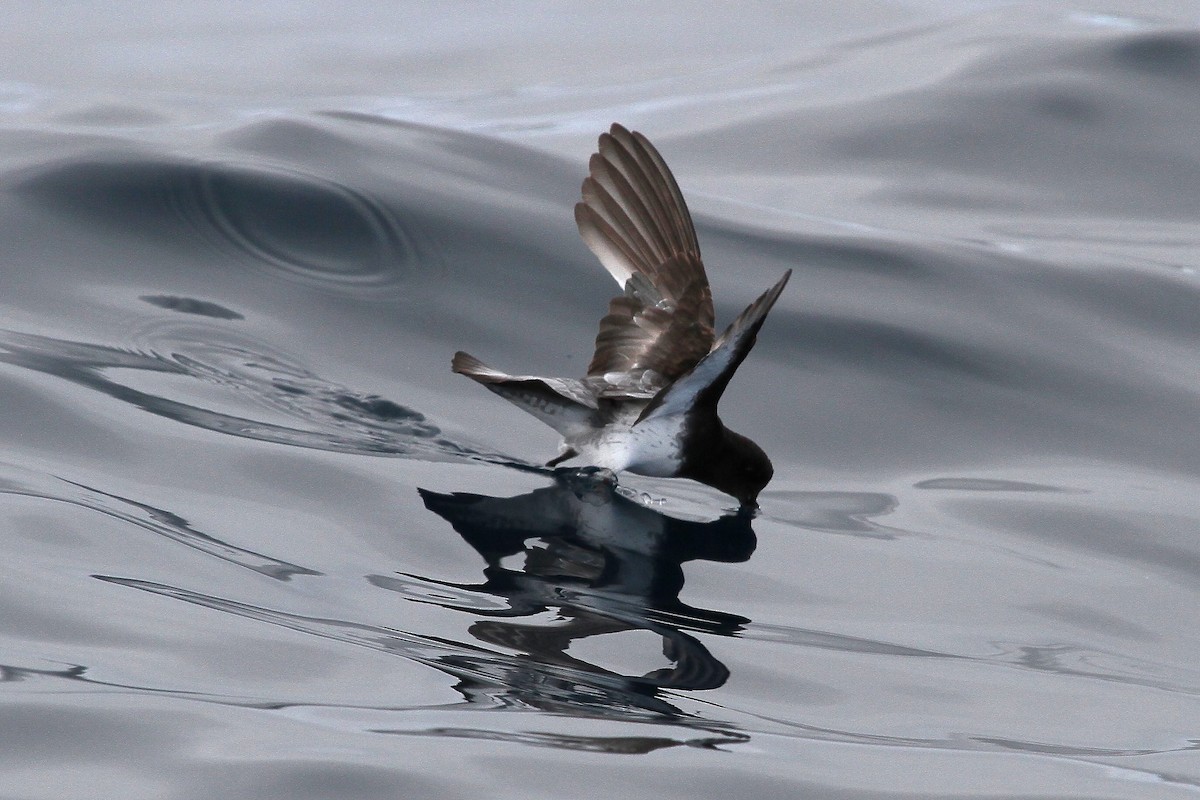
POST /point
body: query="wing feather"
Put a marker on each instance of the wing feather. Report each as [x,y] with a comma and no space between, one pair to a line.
[566,404]
[634,219]
[614,182]
[706,381]
[667,189]
[617,256]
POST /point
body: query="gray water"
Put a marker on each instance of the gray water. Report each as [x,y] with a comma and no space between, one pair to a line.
[260,542]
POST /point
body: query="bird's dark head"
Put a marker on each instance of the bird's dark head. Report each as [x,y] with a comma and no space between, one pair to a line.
[736,466]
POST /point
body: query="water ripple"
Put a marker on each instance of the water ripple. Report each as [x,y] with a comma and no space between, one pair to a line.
[840,512]
[16,480]
[296,225]
[307,228]
[489,678]
[264,394]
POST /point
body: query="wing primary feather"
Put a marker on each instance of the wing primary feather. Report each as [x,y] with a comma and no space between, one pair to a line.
[686,226]
[668,205]
[618,187]
[605,243]
[640,181]
[600,200]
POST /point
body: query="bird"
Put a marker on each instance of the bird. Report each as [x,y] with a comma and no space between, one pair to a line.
[648,404]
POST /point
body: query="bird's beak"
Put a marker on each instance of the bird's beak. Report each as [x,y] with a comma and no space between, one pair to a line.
[748,508]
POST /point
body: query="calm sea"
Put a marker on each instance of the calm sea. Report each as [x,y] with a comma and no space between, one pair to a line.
[260,542]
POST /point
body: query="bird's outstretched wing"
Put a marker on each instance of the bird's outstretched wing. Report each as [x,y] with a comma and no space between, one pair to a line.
[566,404]
[708,379]
[634,218]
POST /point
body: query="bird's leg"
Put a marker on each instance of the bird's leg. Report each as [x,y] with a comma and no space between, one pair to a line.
[565,453]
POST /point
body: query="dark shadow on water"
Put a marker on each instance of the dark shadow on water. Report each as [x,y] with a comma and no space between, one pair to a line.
[602,565]
[190,305]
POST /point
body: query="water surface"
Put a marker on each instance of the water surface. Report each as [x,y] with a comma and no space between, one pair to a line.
[262,543]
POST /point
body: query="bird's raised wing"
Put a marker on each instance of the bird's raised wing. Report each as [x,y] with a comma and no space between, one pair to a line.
[634,218]
[708,379]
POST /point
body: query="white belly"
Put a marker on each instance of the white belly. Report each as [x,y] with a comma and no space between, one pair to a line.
[651,448]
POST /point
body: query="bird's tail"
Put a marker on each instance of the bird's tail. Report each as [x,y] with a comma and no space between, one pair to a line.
[476,370]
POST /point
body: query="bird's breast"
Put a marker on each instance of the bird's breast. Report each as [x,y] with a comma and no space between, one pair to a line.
[651,448]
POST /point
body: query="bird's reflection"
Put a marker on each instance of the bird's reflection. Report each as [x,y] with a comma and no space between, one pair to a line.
[575,560]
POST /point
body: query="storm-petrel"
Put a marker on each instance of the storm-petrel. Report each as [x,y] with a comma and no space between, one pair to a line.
[649,401]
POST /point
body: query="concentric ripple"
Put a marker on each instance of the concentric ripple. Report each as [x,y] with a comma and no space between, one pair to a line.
[296,225]
[308,228]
